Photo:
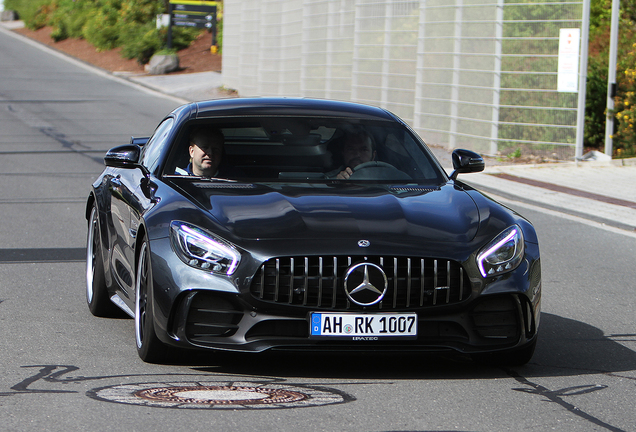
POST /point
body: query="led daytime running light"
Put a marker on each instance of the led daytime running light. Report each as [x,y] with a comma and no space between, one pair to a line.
[510,263]
[205,252]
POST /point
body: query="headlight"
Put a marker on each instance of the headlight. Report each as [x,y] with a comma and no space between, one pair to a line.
[203,250]
[503,254]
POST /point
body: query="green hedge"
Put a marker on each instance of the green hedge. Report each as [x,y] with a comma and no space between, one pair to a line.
[624,137]
[105,24]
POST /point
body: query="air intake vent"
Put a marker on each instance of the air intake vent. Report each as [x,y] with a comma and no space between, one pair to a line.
[497,318]
[211,316]
[413,189]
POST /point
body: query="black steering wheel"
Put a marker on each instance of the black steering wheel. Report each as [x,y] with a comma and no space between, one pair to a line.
[377,170]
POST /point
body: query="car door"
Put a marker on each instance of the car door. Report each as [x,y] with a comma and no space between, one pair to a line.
[130,198]
[122,189]
[141,182]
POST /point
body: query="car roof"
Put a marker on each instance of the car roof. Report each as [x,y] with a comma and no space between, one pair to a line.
[288,107]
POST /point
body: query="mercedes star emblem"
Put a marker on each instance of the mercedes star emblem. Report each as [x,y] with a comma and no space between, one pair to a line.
[365,284]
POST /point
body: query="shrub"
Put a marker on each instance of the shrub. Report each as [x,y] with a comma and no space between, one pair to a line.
[140,42]
[182,37]
[219,32]
[624,138]
[68,19]
[101,28]
[27,10]
[595,104]
[106,24]
[40,17]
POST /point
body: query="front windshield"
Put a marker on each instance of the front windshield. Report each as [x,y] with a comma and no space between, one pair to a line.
[302,149]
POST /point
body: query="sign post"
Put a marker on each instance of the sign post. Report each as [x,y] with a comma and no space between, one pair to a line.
[191,13]
[611,80]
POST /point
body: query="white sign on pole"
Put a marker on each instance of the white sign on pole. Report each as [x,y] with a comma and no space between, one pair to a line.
[568,67]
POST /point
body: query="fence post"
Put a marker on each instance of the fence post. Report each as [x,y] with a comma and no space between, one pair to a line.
[457,58]
[494,130]
[580,118]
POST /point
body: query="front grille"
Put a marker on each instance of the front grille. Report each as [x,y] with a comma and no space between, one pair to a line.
[317,282]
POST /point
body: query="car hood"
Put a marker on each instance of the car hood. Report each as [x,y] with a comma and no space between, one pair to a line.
[262,212]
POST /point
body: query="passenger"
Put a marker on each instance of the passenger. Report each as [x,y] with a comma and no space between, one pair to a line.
[206,155]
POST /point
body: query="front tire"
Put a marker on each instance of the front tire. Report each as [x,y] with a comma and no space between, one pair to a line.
[96,293]
[149,347]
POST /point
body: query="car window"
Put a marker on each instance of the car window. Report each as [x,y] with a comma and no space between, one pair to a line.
[309,149]
[151,152]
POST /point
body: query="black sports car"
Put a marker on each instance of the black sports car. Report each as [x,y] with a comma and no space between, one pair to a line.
[297,224]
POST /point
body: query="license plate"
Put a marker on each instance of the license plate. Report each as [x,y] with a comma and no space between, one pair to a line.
[363,326]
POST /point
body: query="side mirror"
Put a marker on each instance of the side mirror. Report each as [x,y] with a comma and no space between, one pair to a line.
[466,161]
[124,156]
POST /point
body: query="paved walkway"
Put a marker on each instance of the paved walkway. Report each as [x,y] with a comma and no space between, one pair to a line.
[189,87]
[604,192]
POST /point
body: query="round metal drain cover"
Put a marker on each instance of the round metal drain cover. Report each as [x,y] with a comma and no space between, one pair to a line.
[244,395]
[220,395]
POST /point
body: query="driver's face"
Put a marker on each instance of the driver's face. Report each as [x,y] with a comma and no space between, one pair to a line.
[206,153]
[357,151]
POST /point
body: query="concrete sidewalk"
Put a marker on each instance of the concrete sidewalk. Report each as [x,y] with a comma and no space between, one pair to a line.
[601,192]
[189,87]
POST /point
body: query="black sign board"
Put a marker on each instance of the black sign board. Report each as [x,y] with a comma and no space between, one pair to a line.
[193,6]
[189,13]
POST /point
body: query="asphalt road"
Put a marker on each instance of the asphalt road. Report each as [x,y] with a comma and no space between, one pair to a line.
[61,369]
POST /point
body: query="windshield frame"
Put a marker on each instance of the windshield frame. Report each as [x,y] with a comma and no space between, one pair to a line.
[277,146]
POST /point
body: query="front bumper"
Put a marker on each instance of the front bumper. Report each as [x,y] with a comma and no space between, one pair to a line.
[211,320]
[497,314]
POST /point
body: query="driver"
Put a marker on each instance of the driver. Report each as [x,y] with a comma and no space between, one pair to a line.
[358,149]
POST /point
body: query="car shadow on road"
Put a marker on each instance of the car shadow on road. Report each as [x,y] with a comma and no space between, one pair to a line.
[570,347]
[566,347]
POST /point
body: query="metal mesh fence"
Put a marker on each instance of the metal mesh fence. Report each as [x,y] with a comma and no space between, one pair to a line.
[477,74]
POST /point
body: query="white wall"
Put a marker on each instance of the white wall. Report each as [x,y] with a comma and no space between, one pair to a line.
[441,65]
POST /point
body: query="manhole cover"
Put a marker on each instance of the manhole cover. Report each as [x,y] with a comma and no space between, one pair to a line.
[220,395]
[244,395]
